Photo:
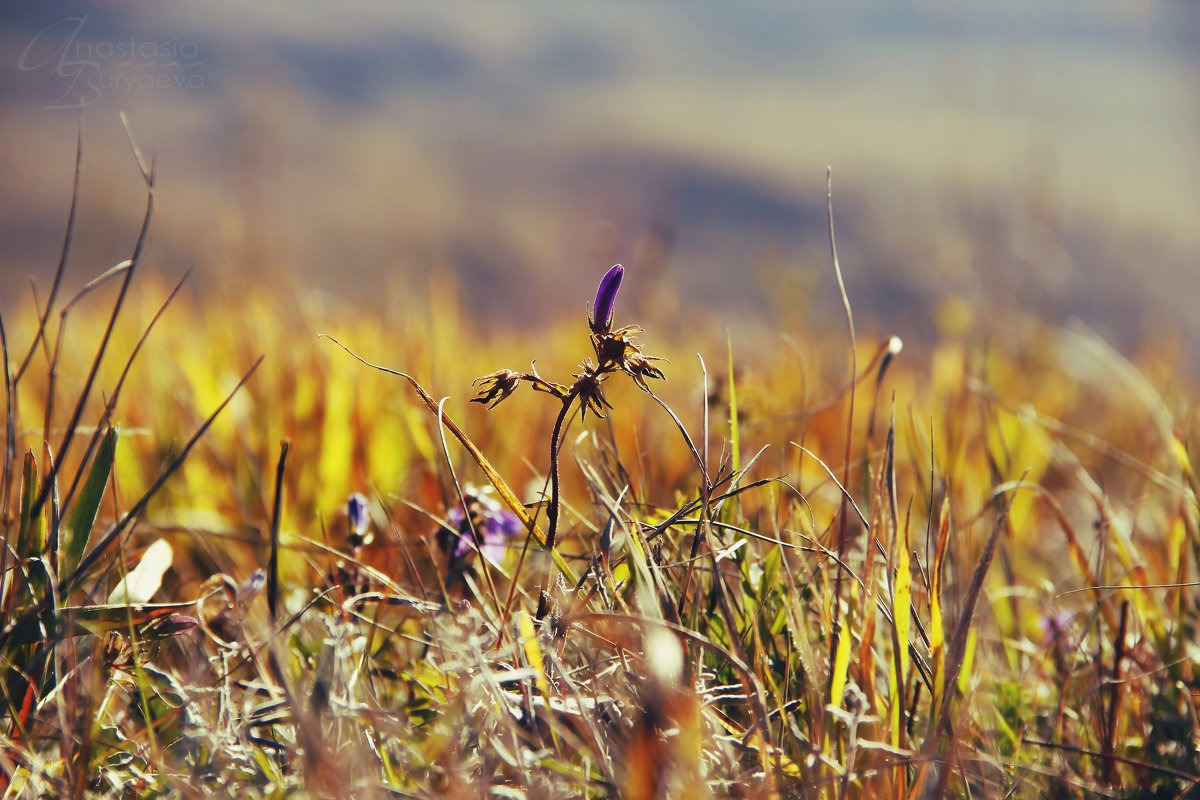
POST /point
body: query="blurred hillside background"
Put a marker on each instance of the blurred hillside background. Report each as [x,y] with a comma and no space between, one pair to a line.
[1039,155]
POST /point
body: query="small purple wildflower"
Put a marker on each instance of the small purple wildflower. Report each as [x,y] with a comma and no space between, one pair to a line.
[252,586]
[358,520]
[606,298]
[1056,627]
[356,512]
[493,524]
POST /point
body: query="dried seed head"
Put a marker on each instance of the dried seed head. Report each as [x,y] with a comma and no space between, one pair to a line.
[613,347]
[588,386]
[639,367]
[495,387]
[606,298]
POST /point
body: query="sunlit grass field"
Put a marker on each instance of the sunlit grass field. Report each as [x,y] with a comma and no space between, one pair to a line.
[967,571]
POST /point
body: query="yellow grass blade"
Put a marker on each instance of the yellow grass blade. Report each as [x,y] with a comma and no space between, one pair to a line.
[901,605]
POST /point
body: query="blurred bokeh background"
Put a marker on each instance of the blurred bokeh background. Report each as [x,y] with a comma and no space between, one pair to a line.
[1043,156]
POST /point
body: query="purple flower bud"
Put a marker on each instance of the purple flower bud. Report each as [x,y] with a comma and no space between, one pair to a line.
[606,298]
[356,512]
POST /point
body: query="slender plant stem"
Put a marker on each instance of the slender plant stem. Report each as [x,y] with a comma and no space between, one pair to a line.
[553,507]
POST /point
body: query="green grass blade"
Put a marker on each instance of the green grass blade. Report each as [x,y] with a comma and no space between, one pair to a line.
[82,516]
[32,537]
[733,410]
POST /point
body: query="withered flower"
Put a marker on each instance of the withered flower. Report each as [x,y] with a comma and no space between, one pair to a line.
[638,367]
[496,387]
[588,387]
[606,298]
[613,347]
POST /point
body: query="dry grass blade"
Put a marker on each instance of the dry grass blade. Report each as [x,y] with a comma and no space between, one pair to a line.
[846,496]
[686,437]
[754,690]
[276,514]
[958,643]
[115,395]
[10,434]
[1190,779]
[837,269]
[116,270]
[68,236]
[706,488]
[88,383]
[877,366]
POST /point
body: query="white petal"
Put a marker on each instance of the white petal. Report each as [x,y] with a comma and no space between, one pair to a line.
[143,580]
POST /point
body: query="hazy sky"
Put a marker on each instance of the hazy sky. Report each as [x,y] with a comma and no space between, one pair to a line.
[1046,152]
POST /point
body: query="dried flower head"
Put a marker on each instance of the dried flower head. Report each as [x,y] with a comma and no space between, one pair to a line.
[638,367]
[496,387]
[606,298]
[588,385]
[612,346]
